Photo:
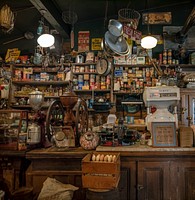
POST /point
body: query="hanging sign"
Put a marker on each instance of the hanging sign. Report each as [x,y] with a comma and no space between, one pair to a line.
[157,18]
[83,41]
[131,33]
[96,44]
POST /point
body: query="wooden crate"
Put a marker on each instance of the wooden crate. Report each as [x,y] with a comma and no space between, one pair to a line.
[100,174]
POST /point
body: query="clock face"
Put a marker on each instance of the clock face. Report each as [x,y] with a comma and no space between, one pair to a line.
[102,66]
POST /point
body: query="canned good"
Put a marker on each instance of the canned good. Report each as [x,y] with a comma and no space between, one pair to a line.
[164,61]
[169,53]
[86,68]
[82,69]
[80,85]
[80,77]
[92,68]
[165,53]
[77,69]
[170,61]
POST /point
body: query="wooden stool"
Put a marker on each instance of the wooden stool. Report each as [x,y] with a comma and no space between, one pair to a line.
[97,194]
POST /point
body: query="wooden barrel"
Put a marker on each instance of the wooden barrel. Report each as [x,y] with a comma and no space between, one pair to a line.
[102,194]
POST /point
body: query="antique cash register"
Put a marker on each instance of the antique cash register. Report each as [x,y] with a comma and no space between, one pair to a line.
[162,123]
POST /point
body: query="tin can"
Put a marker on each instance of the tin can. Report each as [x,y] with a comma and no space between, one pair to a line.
[86,68]
[77,69]
[164,61]
[80,77]
[169,53]
[80,85]
[165,53]
[91,68]
[169,60]
[82,68]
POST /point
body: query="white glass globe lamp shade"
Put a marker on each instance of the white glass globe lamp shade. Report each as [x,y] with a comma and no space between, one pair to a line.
[148,42]
[46,40]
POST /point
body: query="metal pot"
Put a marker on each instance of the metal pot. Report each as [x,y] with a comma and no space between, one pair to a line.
[115,27]
[115,45]
[79,59]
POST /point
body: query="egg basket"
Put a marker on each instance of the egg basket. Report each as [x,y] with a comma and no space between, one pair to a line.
[101,174]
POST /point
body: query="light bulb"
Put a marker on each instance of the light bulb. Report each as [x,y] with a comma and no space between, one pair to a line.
[46,40]
[148,42]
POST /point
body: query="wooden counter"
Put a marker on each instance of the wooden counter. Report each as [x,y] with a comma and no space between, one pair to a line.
[61,164]
[13,166]
[156,174]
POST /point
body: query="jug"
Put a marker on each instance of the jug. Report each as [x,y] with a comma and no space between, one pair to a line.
[79,59]
[33,134]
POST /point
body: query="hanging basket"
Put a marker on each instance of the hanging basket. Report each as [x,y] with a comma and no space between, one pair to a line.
[6,18]
[129,16]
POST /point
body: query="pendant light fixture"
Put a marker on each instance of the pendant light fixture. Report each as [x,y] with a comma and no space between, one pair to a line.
[148,42]
[45,39]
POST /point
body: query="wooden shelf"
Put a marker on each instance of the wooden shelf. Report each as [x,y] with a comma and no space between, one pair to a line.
[136,65]
[83,64]
[179,65]
[96,90]
[123,93]
[27,96]
[34,65]
[78,73]
[41,82]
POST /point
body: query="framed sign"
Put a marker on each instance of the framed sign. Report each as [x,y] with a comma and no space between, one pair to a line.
[157,18]
[164,134]
[83,41]
[96,44]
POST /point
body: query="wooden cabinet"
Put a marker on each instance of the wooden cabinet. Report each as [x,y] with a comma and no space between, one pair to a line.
[156,175]
[183,178]
[127,184]
[153,180]
[12,170]
[65,166]
[164,176]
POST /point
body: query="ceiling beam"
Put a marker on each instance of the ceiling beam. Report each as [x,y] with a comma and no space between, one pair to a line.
[53,17]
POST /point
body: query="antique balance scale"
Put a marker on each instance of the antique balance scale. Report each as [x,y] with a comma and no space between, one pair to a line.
[66,120]
[162,123]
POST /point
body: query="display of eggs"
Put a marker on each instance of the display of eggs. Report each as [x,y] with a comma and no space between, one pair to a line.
[103,158]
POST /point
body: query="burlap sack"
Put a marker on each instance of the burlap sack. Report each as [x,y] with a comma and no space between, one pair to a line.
[55,190]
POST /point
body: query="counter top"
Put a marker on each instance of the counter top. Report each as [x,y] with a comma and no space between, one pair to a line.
[143,148]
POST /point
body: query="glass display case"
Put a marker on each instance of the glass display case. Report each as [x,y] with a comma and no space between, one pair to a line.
[13,129]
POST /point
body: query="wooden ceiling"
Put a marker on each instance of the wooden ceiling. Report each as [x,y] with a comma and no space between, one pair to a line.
[28,13]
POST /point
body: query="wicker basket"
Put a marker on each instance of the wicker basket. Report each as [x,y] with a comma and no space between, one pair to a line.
[129,17]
